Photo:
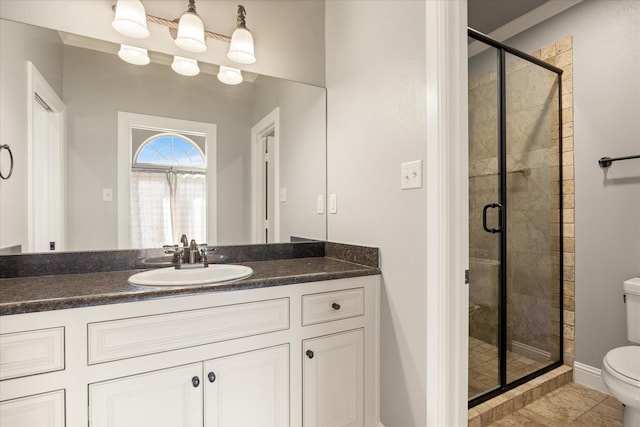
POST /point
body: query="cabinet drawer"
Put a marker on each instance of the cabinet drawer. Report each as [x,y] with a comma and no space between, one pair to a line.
[328,306]
[42,410]
[31,352]
[124,338]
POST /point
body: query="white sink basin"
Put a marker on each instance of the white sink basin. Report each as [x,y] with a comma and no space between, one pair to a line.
[214,273]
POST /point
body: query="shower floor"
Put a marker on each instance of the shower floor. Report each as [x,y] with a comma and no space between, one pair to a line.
[483,367]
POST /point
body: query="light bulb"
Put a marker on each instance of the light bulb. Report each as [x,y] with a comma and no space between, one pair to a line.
[185,66]
[229,76]
[133,55]
[191,33]
[241,49]
[131,19]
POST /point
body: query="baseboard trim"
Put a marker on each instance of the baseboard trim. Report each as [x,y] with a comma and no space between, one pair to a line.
[589,376]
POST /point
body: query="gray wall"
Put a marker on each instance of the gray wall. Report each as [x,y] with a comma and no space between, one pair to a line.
[376,91]
[19,46]
[606,87]
[97,86]
[302,152]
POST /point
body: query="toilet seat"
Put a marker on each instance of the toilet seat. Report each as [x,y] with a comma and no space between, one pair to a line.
[624,364]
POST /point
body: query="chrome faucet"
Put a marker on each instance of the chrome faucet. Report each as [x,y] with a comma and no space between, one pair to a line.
[188,253]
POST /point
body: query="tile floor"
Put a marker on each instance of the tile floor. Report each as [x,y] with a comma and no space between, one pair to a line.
[483,366]
[570,405]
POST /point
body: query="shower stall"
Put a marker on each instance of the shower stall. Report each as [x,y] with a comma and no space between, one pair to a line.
[515,218]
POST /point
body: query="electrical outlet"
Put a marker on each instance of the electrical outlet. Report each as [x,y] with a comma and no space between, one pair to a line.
[411,175]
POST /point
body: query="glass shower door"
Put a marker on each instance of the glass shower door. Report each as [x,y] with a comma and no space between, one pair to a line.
[485,222]
[515,217]
[533,227]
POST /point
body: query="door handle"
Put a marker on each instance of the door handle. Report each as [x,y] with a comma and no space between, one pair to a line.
[484,217]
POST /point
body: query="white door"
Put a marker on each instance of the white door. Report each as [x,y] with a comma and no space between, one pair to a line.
[170,397]
[248,389]
[46,148]
[268,188]
[333,380]
[47,179]
[266,194]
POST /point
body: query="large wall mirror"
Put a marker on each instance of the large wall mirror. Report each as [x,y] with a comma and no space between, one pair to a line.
[253,196]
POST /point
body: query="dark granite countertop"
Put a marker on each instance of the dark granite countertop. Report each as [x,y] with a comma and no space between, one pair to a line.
[57,292]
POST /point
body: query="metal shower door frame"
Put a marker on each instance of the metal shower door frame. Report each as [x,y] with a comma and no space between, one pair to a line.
[502,205]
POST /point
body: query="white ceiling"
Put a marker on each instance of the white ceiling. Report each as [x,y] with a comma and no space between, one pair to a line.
[489,15]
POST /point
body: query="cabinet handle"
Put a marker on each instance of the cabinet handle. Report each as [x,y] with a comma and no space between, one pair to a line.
[335,306]
[212,377]
[195,381]
[309,354]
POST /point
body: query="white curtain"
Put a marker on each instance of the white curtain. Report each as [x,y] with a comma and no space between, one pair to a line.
[165,205]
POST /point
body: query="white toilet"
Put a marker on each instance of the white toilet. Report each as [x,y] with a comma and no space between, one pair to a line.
[621,366]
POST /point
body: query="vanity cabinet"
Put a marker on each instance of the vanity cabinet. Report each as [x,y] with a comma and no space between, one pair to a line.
[333,378]
[304,354]
[28,353]
[247,389]
[42,410]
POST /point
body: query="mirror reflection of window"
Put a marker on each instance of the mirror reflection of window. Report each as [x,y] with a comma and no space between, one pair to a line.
[168,191]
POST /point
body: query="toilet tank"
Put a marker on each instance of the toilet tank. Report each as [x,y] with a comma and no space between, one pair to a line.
[632,298]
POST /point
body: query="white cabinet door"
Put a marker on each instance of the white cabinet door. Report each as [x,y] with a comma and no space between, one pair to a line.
[42,410]
[170,397]
[333,380]
[248,389]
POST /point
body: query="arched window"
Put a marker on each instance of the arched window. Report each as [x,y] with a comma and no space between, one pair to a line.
[168,191]
[170,149]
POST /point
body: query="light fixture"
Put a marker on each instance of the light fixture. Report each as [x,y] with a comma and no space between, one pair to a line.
[188,32]
[241,49]
[133,55]
[229,76]
[191,31]
[185,66]
[131,19]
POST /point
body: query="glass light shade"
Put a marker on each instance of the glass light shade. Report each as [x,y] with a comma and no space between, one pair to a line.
[133,55]
[131,19]
[185,66]
[191,33]
[241,49]
[229,76]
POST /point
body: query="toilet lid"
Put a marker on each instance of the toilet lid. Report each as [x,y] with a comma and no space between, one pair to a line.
[625,361]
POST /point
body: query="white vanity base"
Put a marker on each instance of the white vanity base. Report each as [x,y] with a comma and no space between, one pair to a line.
[294,355]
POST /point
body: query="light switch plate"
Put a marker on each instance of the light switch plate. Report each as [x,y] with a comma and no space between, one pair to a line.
[411,175]
[320,206]
[107,195]
[283,194]
[333,204]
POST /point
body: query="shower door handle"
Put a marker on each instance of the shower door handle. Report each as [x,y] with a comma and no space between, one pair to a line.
[484,218]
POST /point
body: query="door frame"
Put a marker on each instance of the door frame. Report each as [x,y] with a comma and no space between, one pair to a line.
[270,122]
[446,167]
[37,86]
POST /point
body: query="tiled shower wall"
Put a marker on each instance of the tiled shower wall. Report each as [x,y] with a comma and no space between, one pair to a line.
[534,215]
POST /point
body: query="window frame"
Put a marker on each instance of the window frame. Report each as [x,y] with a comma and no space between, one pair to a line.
[127,122]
